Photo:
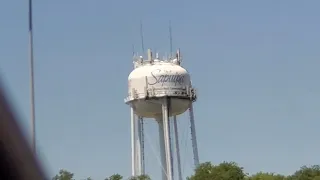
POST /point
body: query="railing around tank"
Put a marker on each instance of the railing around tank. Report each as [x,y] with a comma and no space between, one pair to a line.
[187,93]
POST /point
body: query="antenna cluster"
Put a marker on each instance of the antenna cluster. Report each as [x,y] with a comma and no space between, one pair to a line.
[139,60]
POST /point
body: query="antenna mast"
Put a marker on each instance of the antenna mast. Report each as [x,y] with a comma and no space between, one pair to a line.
[170,38]
[33,124]
[141,35]
[133,50]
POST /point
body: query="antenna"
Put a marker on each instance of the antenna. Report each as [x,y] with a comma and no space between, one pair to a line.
[170,38]
[141,35]
[33,116]
[157,54]
[133,50]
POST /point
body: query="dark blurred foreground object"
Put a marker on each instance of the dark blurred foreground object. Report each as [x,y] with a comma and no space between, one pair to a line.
[16,159]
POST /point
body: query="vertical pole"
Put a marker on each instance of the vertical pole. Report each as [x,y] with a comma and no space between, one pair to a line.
[193,137]
[171,139]
[175,125]
[162,149]
[170,38]
[167,138]
[142,146]
[141,36]
[33,118]
[138,148]
[133,143]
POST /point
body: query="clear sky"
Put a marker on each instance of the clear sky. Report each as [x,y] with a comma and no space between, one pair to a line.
[255,65]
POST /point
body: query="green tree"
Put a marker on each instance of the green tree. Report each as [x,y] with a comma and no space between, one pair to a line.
[63,175]
[141,177]
[204,171]
[306,173]
[89,178]
[267,176]
[115,177]
[223,171]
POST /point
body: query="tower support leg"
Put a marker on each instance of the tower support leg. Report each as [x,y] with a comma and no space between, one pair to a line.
[176,134]
[138,147]
[162,149]
[166,126]
[172,140]
[133,143]
[142,145]
[193,137]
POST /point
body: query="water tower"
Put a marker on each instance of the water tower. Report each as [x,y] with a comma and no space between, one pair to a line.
[160,89]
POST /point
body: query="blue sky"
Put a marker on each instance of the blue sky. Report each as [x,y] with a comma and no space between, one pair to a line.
[255,65]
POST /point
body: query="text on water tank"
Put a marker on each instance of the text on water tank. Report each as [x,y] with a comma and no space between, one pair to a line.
[165,78]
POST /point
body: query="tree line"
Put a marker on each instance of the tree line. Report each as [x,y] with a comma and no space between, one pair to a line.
[222,171]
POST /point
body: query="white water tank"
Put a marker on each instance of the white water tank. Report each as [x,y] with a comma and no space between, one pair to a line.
[152,80]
